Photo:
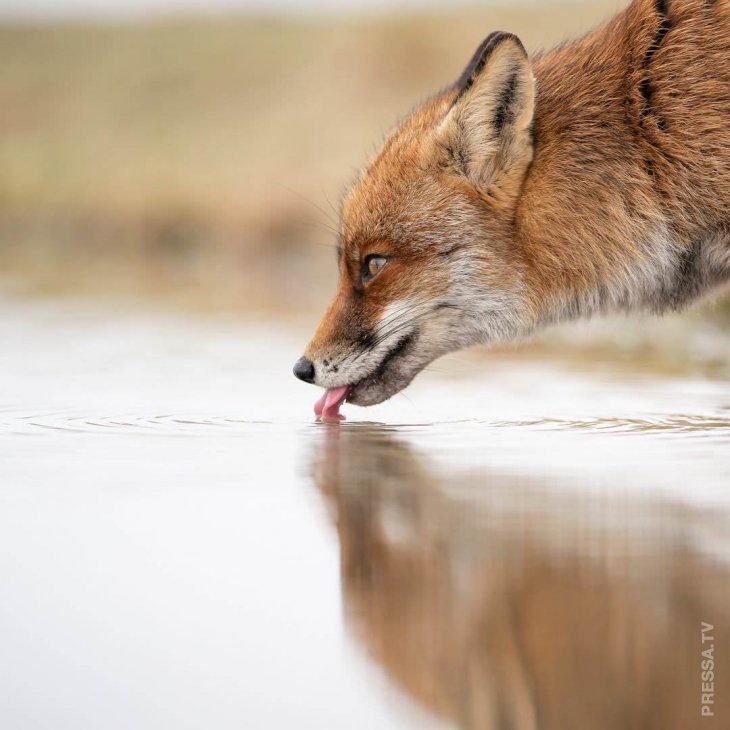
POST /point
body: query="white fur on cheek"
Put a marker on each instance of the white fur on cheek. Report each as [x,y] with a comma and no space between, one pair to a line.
[398,320]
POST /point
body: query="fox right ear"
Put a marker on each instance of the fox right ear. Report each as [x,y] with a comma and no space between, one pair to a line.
[487,133]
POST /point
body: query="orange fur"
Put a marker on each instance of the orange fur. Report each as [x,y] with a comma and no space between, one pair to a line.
[593,178]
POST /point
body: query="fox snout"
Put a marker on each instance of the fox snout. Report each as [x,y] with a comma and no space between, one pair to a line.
[345,350]
[368,341]
[368,348]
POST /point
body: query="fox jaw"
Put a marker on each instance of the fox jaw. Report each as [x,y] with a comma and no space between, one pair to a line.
[426,265]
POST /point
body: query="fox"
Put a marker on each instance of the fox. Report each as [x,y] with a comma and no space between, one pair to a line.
[590,179]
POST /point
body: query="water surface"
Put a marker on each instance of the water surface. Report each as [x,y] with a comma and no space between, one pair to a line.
[511,544]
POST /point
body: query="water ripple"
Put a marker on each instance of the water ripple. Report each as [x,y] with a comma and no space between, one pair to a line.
[191,424]
[168,424]
[674,423]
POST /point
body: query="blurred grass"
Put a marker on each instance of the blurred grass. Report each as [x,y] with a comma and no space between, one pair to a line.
[202,159]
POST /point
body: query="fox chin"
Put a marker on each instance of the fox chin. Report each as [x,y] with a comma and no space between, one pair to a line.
[590,179]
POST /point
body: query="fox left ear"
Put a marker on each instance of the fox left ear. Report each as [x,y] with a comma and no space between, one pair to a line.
[487,134]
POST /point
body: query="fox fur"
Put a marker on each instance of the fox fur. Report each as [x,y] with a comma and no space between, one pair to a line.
[593,178]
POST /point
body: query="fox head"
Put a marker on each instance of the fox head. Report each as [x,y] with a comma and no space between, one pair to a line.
[426,254]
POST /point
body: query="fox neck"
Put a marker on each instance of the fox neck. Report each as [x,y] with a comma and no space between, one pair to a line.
[599,224]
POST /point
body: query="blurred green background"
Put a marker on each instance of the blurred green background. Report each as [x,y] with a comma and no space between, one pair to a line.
[199,159]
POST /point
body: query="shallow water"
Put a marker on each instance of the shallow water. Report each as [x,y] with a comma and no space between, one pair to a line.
[510,545]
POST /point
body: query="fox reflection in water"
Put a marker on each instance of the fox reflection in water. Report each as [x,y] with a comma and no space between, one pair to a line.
[501,602]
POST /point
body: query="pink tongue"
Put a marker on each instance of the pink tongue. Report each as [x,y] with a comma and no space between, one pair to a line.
[328,406]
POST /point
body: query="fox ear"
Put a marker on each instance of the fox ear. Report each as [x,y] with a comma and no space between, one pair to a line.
[487,133]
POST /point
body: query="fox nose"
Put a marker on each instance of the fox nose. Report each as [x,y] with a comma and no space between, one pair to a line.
[304,370]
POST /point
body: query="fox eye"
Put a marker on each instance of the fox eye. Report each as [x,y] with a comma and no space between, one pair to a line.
[372,266]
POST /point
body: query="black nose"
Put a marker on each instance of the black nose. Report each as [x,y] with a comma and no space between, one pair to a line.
[304,370]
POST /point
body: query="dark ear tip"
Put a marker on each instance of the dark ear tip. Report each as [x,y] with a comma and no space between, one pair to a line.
[516,40]
[481,56]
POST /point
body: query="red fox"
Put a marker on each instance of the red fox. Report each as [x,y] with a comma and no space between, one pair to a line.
[590,179]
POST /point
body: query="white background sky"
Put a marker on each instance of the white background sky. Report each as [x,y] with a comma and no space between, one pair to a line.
[106,8]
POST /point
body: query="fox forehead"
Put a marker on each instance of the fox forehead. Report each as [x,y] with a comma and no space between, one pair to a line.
[400,193]
[413,213]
